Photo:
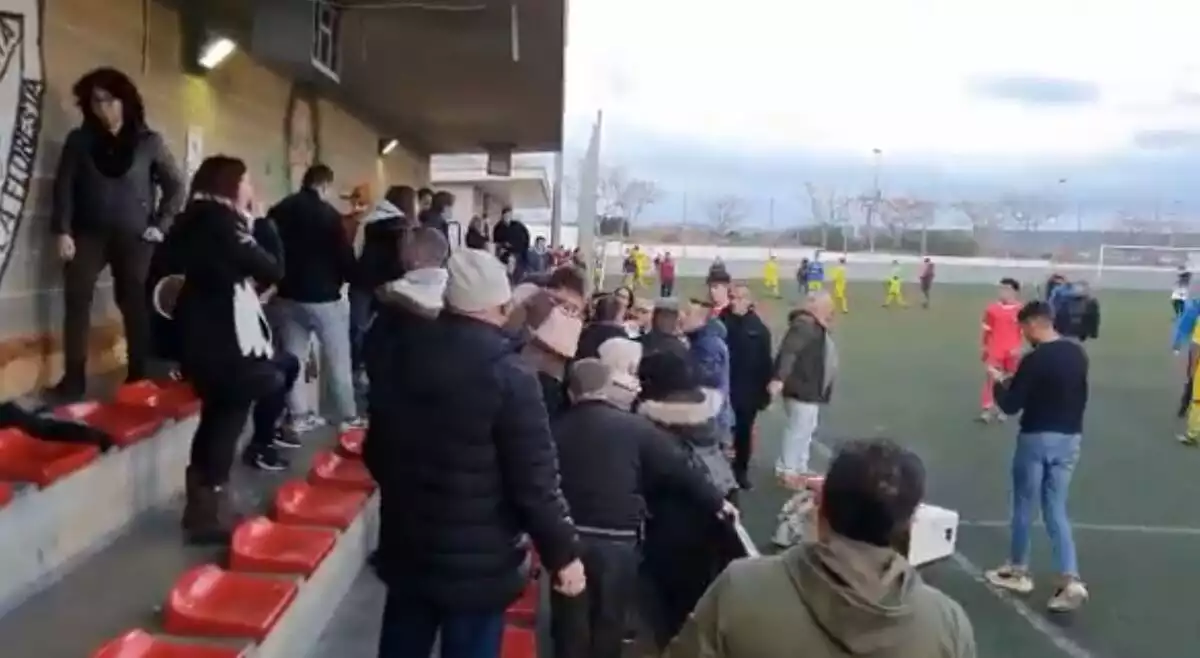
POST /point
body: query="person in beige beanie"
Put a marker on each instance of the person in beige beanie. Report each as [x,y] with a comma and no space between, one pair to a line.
[553,334]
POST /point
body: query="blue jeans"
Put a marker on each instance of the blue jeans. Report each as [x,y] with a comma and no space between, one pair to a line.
[330,321]
[1042,466]
[410,627]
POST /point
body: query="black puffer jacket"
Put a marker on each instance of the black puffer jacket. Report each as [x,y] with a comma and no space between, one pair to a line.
[465,463]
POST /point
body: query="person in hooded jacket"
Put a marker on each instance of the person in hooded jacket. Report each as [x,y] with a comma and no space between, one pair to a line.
[225,343]
[685,545]
[849,594]
[407,307]
[377,243]
[608,457]
[750,369]
[706,343]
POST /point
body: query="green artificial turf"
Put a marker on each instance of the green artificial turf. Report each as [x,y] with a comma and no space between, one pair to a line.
[914,375]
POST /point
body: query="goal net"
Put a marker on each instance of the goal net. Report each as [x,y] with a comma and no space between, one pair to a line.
[1145,258]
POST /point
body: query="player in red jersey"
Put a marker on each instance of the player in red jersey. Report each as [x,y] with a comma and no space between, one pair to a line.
[1001,342]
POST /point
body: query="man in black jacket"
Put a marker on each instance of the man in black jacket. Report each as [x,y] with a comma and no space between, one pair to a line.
[511,238]
[750,369]
[608,458]
[1076,312]
[320,262]
[466,465]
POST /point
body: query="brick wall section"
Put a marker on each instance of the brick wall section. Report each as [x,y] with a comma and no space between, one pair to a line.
[240,109]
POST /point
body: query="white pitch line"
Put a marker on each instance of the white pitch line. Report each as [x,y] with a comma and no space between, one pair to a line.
[1052,633]
[1102,527]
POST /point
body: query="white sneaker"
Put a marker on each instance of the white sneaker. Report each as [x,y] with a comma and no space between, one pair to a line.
[1011,578]
[1068,597]
[307,423]
[352,424]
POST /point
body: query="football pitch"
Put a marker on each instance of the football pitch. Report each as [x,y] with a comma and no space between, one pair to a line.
[914,375]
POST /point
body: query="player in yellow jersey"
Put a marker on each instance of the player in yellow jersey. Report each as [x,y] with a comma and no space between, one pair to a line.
[894,288]
[642,261]
[771,276]
[837,277]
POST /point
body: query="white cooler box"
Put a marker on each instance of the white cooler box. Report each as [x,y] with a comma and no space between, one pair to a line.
[934,529]
[934,532]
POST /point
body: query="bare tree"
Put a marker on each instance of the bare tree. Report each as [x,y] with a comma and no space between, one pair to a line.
[1027,212]
[726,212]
[871,204]
[984,219]
[821,207]
[902,214]
[618,194]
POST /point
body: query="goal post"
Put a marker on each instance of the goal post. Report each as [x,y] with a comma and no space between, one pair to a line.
[1146,257]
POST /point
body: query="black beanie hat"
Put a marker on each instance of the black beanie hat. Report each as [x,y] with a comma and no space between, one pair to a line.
[669,376]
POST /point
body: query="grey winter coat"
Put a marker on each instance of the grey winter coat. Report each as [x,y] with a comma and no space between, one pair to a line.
[149,193]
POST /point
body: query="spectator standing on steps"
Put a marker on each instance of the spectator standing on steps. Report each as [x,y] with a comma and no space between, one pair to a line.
[1050,390]
[439,213]
[225,344]
[510,238]
[469,467]
[111,170]
[847,595]
[320,263]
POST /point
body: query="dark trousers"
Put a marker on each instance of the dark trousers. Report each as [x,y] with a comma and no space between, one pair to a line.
[1177,307]
[666,288]
[129,258]
[411,626]
[743,439]
[226,405]
[360,320]
[593,624]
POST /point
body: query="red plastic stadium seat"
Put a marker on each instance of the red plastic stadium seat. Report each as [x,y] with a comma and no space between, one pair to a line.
[350,442]
[172,398]
[6,493]
[126,424]
[208,601]
[264,546]
[140,644]
[333,470]
[524,610]
[26,459]
[300,503]
[518,643]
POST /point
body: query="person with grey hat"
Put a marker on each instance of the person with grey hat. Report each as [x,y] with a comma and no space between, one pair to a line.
[609,458]
[466,466]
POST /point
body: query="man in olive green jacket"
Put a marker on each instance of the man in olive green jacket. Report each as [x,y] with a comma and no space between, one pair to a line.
[849,594]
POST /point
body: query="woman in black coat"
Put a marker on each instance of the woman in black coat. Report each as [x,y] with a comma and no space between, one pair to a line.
[224,344]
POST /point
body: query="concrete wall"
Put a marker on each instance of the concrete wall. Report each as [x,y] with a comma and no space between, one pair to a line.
[241,109]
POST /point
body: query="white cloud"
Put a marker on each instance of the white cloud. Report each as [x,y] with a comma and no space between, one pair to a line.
[852,75]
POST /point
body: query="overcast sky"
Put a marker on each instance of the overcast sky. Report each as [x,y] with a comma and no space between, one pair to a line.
[965,98]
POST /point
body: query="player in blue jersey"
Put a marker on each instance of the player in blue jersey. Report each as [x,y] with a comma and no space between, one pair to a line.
[816,273]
